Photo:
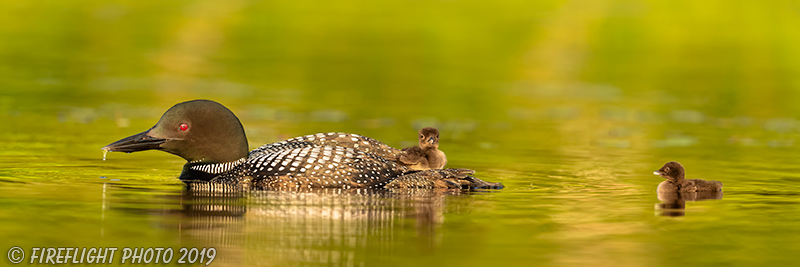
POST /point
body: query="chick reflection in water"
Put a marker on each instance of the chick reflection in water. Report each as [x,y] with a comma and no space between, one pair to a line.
[673,204]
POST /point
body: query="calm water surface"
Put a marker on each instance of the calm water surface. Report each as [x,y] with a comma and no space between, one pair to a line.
[563,205]
[570,105]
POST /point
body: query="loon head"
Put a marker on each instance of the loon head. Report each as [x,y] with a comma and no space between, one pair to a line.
[428,138]
[672,171]
[197,130]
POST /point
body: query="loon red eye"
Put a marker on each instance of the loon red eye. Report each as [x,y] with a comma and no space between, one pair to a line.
[184,127]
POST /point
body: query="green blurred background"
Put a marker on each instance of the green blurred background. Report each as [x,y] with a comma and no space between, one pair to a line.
[399,64]
[563,101]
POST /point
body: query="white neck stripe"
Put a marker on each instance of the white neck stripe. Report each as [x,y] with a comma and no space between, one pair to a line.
[216,168]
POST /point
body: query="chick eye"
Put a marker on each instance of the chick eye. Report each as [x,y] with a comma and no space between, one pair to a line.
[421,136]
[666,169]
[184,127]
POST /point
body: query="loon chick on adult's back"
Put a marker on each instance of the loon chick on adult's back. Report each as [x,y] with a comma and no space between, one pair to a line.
[212,140]
[426,155]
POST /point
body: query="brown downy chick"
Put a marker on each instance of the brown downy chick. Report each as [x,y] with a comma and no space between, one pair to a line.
[427,155]
[676,182]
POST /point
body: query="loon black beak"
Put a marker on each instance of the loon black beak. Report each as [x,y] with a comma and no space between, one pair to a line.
[137,142]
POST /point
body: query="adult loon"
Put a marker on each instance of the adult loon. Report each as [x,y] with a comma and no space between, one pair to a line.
[426,155]
[676,182]
[212,141]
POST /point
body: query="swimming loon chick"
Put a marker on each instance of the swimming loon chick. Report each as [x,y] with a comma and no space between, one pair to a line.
[212,140]
[426,155]
[676,182]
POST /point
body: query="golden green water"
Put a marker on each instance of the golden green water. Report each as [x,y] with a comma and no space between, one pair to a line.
[570,104]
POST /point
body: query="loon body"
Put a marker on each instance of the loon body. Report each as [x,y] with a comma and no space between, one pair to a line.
[212,140]
[426,155]
[676,182]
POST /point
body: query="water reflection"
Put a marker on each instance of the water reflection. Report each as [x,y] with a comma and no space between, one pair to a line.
[321,226]
[673,204]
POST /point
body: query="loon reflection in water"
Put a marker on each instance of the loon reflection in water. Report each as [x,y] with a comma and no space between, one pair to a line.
[315,226]
[212,140]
